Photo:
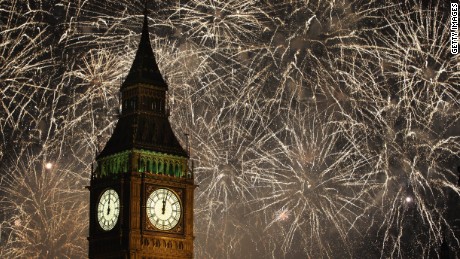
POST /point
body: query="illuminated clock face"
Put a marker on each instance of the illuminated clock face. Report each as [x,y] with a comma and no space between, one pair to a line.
[163,209]
[108,209]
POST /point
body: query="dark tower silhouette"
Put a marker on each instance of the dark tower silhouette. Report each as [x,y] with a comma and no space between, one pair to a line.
[141,192]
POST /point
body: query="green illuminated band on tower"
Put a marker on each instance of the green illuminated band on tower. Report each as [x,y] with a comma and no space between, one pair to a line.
[142,161]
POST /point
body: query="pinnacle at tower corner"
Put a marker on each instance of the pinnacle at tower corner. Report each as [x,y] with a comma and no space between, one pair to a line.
[141,191]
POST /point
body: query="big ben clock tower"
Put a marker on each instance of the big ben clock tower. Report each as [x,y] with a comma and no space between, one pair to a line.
[141,192]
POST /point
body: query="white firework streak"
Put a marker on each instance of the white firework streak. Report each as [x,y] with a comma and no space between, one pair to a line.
[418,130]
[222,24]
[314,194]
[38,206]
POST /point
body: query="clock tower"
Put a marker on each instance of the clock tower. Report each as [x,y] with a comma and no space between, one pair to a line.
[141,191]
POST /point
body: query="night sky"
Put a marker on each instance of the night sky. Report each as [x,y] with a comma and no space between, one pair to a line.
[318,129]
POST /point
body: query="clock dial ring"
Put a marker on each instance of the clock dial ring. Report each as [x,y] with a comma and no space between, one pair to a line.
[108,209]
[164,209]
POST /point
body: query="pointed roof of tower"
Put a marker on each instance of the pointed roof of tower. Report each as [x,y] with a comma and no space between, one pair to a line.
[144,68]
[143,129]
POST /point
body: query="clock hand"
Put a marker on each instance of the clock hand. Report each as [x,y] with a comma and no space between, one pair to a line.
[108,207]
[164,204]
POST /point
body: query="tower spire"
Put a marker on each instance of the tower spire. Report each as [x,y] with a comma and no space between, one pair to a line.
[144,68]
[145,27]
[146,8]
[143,122]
